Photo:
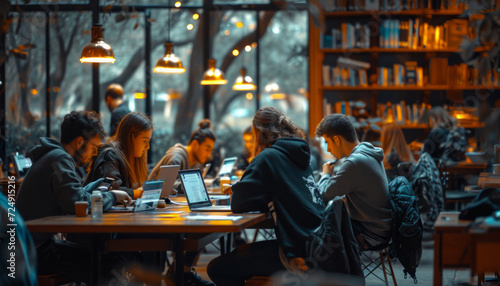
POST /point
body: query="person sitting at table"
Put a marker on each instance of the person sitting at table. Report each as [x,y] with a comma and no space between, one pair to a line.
[51,188]
[361,178]
[124,158]
[446,141]
[396,151]
[279,180]
[192,156]
[246,156]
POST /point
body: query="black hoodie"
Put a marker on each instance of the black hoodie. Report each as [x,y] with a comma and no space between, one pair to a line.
[281,178]
[51,187]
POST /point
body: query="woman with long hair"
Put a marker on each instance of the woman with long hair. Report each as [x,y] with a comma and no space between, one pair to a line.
[124,157]
[396,150]
[279,180]
[446,141]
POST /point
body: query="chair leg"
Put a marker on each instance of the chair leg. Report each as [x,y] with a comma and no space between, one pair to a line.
[390,267]
[381,253]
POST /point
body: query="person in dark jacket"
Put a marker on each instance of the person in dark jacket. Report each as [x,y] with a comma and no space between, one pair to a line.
[192,156]
[279,180]
[361,178]
[124,159]
[51,187]
[118,108]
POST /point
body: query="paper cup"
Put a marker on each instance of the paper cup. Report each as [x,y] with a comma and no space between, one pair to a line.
[81,208]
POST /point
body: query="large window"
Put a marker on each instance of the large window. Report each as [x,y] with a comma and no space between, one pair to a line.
[274,57]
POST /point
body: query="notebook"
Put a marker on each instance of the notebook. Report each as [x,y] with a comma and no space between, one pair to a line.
[196,192]
[168,173]
[148,201]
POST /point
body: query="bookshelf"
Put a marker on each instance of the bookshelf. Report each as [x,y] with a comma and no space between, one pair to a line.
[371,50]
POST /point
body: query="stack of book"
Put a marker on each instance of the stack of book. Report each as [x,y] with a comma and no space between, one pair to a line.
[401,75]
[349,36]
[412,34]
[401,113]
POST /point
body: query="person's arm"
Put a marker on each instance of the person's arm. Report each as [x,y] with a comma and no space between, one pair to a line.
[67,188]
[250,194]
[338,184]
[110,167]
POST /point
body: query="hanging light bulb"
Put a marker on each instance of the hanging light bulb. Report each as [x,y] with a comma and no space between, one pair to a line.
[244,82]
[97,51]
[212,75]
[169,63]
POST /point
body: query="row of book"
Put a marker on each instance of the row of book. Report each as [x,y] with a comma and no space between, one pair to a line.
[412,34]
[401,75]
[402,113]
[353,73]
[390,5]
[399,112]
[347,37]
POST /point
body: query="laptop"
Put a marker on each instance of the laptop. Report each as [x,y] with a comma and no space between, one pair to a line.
[168,173]
[147,202]
[205,170]
[196,192]
[226,168]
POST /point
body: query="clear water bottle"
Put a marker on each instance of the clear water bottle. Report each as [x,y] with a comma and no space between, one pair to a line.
[96,205]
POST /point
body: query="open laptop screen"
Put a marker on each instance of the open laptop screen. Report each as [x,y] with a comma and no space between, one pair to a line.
[227,166]
[196,193]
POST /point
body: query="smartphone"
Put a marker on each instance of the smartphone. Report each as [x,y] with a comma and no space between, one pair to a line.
[106,184]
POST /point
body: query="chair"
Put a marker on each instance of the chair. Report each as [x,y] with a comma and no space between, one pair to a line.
[373,264]
[451,195]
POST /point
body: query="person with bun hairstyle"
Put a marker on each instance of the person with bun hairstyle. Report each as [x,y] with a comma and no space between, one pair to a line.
[278,180]
[124,158]
[192,156]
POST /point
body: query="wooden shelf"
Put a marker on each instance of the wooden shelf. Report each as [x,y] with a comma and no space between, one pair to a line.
[418,12]
[407,87]
[426,126]
[394,50]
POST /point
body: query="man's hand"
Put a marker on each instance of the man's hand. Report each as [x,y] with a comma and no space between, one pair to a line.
[122,197]
[328,168]
[227,191]
[298,264]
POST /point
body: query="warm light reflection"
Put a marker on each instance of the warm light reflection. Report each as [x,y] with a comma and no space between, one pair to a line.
[196,16]
[249,96]
[248,48]
[251,26]
[34,92]
[139,95]
[254,45]
[98,60]
[56,89]
[239,25]
[189,27]
[278,96]
[177,4]
[227,33]
[236,53]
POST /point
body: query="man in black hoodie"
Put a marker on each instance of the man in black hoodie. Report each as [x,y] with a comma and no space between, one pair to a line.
[279,180]
[51,187]
[361,178]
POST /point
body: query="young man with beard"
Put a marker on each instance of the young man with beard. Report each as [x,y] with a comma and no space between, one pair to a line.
[51,187]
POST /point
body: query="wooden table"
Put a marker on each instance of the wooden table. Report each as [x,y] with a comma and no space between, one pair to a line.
[451,244]
[174,221]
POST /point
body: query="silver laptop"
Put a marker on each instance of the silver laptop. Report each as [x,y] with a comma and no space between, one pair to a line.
[147,202]
[168,173]
[196,192]
[226,168]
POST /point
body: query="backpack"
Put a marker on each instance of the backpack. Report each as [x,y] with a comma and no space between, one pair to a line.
[332,247]
[407,229]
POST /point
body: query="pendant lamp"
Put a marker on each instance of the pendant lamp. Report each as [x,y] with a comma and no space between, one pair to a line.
[97,51]
[244,82]
[169,63]
[212,75]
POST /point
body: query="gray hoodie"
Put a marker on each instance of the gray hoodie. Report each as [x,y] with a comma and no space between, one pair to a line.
[362,180]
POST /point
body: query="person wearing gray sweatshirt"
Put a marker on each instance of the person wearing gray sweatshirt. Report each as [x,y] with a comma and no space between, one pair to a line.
[361,179]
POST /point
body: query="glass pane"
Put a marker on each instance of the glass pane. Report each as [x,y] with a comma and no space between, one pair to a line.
[71,80]
[177,98]
[240,2]
[284,65]
[25,82]
[234,47]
